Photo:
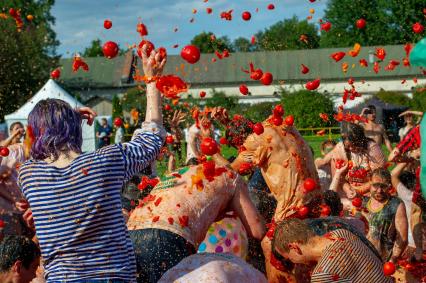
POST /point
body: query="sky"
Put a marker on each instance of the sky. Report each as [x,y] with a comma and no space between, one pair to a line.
[78,22]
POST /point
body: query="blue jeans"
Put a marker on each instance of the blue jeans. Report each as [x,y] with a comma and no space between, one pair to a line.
[157,251]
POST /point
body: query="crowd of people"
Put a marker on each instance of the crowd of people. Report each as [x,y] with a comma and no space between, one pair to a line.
[272,213]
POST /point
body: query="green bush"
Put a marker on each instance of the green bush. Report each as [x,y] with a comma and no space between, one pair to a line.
[256,112]
[419,99]
[117,108]
[306,106]
[394,98]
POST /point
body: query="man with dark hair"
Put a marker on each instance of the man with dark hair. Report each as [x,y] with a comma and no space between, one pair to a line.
[19,259]
[373,130]
[104,133]
[341,255]
[16,132]
[386,216]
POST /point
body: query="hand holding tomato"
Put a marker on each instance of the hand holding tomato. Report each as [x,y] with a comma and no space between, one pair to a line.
[153,64]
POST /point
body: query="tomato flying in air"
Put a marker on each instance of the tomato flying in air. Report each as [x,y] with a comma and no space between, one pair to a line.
[289,120]
[167,107]
[277,120]
[304,69]
[149,48]
[309,185]
[376,67]
[209,10]
[303,211]
[190,54]
[271,7]
[169,139]
[418,28]
[244,89]
[118,122]
[326,26]
[324,117]
[202,94]
[258,128]
[55,74]
[338,56]
[266,78]
[171,86]
[361,23]
[325,210]
[389,268]
[255,74]
[141,29]
[357,202]
[209,146]
[380,53]
[79,63]
[246,16]
[107,24]
[245,168]
[313,85]
[223,140]
[339,163]
[4,151]
[278,110]
[110,49]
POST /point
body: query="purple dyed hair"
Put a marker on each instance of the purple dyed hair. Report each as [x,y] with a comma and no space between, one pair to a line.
[56,128]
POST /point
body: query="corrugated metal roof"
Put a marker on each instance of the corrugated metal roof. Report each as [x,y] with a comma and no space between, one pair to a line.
[284,65]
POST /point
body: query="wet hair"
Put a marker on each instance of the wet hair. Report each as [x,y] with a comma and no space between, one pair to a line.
[332,200]
[238,130]
[382,173]
[192,161]
[14,124]
[372,108]
[408,179]
[357,136]
[56,128]
[14,248]
[326,143]
[291,230]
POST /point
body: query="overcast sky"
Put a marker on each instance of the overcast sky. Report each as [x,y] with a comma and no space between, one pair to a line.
[78,22]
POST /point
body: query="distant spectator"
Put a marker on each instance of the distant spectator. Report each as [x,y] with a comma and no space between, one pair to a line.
[324,172]
[19,259]
[119,132]
[409,122]
[104,133]
[374,130]
[17,131]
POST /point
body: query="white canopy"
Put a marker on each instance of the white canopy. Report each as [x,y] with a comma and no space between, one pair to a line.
[52,90]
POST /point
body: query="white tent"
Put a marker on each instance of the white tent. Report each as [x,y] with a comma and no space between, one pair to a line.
[52,90]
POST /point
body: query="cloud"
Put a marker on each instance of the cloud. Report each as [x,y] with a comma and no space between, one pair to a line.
[78,22]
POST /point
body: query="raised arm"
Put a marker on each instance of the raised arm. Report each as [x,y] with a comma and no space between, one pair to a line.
[387,141]
[401,225]
[396,172]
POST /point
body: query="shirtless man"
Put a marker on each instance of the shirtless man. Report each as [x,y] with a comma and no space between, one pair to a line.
[173,220]
[373,130]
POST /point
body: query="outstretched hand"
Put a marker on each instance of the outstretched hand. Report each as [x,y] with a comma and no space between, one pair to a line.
[87,114]
[220,114]
[177,119]
[153,65]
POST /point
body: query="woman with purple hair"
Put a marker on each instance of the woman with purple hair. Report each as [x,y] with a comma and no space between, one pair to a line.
[75,196]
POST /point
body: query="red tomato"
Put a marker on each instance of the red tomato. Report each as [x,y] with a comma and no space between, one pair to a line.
[267,78]
[338,56]
[55,74]
[209,146]
[277,120]
[303,211]
[313,85]
[245,168]
[223,140]
[339,163]
[13,13]
[209,10]
[381,53]
[171,86]
[389,268]
[167,107]
[244,89]
[118,122]
[304,69]
[202,94]
[141,29]
[309,185]
[351,81]
[190,54]
[148,50]
[271,7]
[107,24]
[209,169]
[2,224]
[357,202]
[361,23]
[278,110]
[246,16]
[289,120]
[325,210]
[163,53]
[326,26]
[4,151]
[258,128]
[256,74]
[418,28]
[169,139]
[110,49]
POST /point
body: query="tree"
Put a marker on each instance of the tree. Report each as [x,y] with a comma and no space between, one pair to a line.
[388,22]
[207,44]
[286,35]
[419,99]
[94,50]
[220,99]
[306,106]
[117,109]
[242,44]
[28,54]
[394,98]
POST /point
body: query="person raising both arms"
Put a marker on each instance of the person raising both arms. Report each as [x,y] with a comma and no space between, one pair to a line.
[75,197]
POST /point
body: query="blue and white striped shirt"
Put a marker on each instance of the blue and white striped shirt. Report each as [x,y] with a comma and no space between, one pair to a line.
[77,210]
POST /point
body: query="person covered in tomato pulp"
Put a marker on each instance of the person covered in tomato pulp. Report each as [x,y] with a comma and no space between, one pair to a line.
[75,196]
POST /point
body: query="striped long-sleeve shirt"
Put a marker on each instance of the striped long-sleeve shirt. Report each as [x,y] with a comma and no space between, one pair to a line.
[348,260]
[77,209]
